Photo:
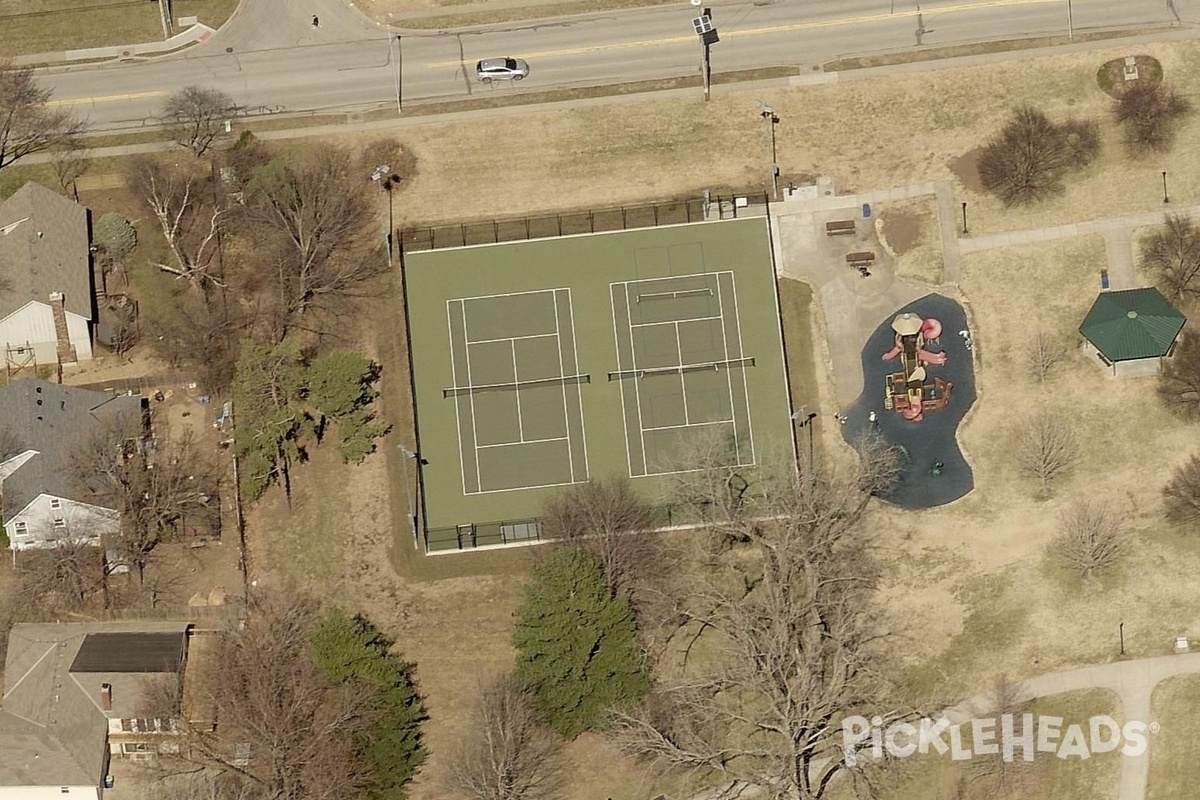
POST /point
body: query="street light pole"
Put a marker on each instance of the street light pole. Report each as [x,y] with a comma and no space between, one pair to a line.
[804,419]
[1121,633]
[1070,22]
[399,75]
[964,218]
[1166,197]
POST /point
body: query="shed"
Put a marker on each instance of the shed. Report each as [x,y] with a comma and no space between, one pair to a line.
[1131,331]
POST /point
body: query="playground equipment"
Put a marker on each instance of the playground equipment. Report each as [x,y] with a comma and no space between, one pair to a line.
[909,392]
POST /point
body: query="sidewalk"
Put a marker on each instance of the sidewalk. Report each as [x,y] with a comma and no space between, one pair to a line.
[1132,681]
[194,35]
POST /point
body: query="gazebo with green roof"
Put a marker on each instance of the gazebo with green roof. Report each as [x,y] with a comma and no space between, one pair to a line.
[1131,331]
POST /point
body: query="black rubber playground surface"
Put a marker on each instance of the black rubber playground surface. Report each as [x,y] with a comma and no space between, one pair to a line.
[934,438]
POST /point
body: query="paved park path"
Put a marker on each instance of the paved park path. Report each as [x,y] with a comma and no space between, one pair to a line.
[1132,681]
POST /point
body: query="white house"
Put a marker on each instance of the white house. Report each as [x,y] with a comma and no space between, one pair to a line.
[73,698]
[41,425]
[47,295]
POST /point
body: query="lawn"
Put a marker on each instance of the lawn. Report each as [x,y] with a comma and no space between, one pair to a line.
[1173,765]
[49,26]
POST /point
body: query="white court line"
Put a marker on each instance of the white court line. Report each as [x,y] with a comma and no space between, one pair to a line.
[693,425]
[513,338]
[737,450]
[737,310]
[525,488]
[462,462]
[682,387]
[587,472]
[517,389]
[672,321]
[562,370]
[523,441]
[474,428]
[637,390]
[503,294]
[617,344]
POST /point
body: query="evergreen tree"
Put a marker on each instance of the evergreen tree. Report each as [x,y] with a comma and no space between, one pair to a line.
[350,650]
[340,386]
[578,652]
[268,430]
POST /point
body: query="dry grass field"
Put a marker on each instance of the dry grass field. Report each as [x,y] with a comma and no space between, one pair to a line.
[908,128]
[1173,765]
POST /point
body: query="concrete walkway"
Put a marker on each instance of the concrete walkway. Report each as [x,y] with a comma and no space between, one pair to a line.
[196,34]
[1126,223]
[1132,681]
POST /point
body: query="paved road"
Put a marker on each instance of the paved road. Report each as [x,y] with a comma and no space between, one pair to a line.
[269,57]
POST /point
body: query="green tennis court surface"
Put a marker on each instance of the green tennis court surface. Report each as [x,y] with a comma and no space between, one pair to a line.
[543,364]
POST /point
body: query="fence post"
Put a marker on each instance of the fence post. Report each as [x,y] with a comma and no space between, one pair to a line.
[624,219]
[527,234]
[655,205]
[495,231]
[559,223]
[592,221]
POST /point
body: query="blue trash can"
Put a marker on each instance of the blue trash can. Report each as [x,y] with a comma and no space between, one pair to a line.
[866,210]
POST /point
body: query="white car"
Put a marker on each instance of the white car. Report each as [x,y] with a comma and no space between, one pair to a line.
[491,69]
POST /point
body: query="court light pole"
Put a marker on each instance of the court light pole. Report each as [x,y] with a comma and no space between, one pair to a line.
[804,418]
[768,114]
[412,518]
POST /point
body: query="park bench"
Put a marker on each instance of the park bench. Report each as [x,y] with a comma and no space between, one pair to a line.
[863,258]
[839,227]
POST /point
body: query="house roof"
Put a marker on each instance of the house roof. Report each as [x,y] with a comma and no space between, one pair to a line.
[52,419]
[130,652]
[52,728]
[44,247]
[1132,324]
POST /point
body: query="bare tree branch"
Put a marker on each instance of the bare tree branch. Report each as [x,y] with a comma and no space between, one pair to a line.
[1045,447]
[1044,353]
[508,754]
[197,116]
[1092,537]
[27,123]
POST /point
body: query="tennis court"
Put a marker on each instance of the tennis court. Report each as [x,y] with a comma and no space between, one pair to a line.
[681,368]
[544,364]
[517,391]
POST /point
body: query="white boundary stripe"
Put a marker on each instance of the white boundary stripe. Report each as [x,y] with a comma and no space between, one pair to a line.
[637,389]
[512,345]
[474,427]
[523,488]
[503,294]
[587,471]
[562,370]
[737,310]
[674,321]
[682,386]
[693,425]
[514,338]
[737,449]
[612,296]
[523,441]
[462,462]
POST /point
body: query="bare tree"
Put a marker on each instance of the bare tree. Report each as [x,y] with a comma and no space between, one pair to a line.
[1150,114]
[283,731]
[182,202]
[72,571]
[1044,353]
[153,494]
[11,443]
[1171,253]
[991,775]
[319,216]
[1026,161]
[1181,495]
[197,116]
[70,162]
[1179,379]
[1092,537]
[199,335]
[27,123]
[1045,446]
[609,520]
[785,619]
[508,754]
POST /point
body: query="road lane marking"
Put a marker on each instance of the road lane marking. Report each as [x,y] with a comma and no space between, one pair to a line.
[105,98]
[788,27]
